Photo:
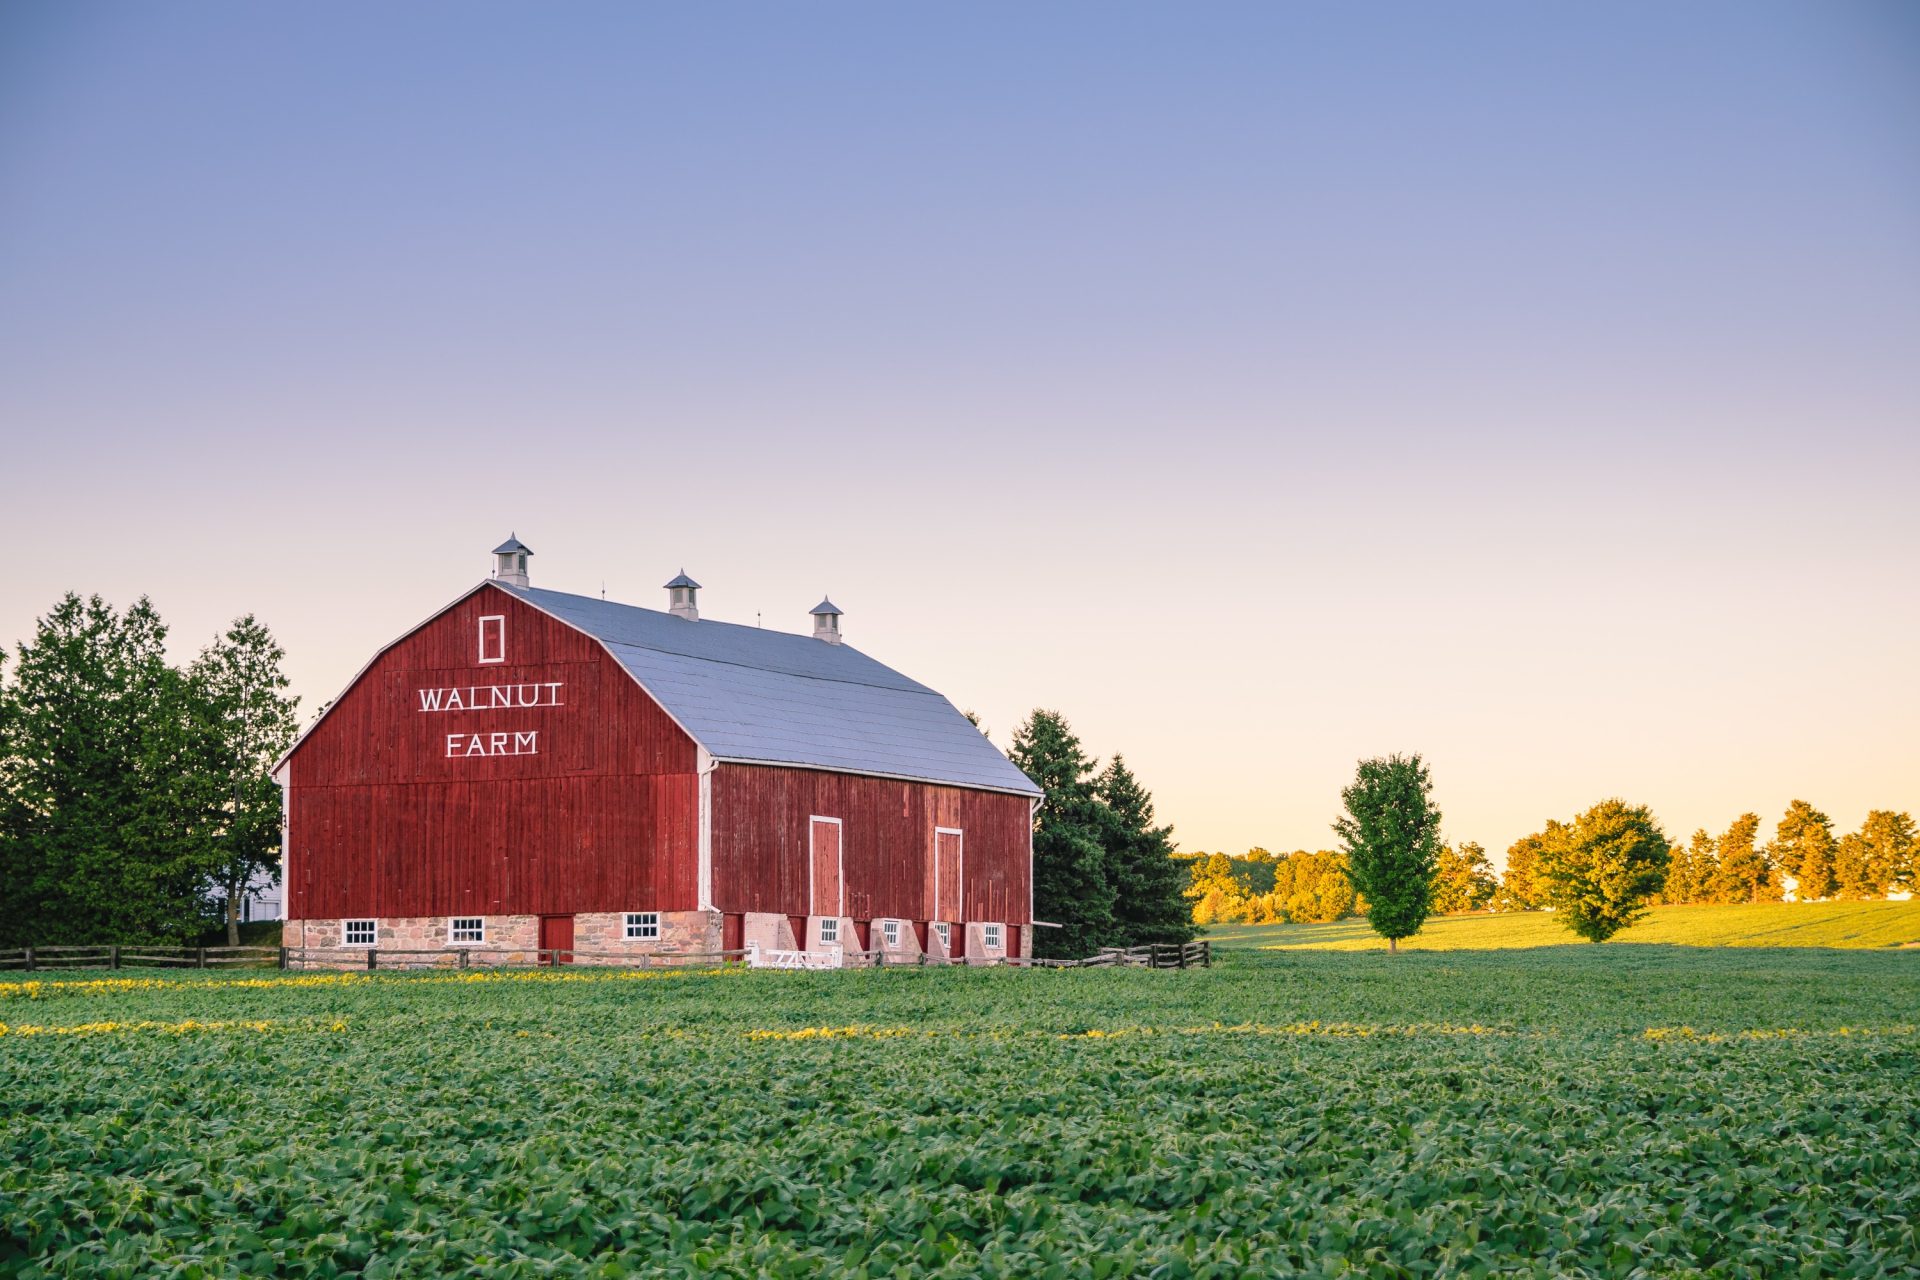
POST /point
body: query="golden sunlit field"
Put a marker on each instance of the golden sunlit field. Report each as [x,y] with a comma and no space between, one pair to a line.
[1766,924]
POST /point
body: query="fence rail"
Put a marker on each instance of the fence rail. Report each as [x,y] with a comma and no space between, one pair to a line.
[1197,954]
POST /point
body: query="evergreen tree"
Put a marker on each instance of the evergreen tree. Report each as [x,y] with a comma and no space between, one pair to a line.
[1463,879]
[1148,906]
[108,824]
[1744,873]
[1600,877]
[1520,888]
[1070,884]
[241,691]
[1803,847]
[1391,837]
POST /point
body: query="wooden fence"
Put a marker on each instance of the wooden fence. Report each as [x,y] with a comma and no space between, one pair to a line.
[135,956]
[48,959]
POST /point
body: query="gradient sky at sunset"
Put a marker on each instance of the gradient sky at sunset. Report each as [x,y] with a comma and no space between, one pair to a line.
[1534,387]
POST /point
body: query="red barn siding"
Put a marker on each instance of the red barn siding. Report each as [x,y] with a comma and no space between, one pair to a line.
[760,824]
[602,817]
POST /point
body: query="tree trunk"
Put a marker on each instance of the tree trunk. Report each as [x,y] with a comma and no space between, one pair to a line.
[233,913]
[1393,946]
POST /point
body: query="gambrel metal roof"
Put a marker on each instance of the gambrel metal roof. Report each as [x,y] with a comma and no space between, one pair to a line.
[771,697]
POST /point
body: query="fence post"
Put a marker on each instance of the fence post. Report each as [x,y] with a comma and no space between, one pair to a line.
[200,959]
[1206,953]
[464,954]
[373,958]
[283,957]
[113,957]
[1183,955]
[29,951]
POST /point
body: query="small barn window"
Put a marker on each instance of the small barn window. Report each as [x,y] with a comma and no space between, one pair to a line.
[360,933]
[493,638]
[829,928]
[467,929]
[643,926]
[891,931]
[945,932]
[990,935]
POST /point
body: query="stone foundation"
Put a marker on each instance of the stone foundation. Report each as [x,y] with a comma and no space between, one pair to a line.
[417,942]
[426,941]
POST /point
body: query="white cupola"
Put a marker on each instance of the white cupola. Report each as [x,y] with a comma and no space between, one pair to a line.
[826,622]
[510,562]
[680,597]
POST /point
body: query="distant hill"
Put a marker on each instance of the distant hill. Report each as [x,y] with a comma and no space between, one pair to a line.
[1766,924]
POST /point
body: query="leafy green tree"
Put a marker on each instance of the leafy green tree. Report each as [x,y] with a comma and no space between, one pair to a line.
[1602,874]
[107,815]
[1070,880]
[1463,879]
[1803,847]
[1148,906]
[1311,888]
[241,689]
[1520,888]
[1214,890]
[1744,873]
[1391,837]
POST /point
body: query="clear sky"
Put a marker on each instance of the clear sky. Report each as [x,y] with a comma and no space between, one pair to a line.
[1536,387]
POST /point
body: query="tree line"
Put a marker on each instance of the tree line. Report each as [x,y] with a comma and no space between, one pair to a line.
[1602,869]
[1598,868]
[135,798]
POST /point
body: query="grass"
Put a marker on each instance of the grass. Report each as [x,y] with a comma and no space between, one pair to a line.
[1767,924]
[1597,1111]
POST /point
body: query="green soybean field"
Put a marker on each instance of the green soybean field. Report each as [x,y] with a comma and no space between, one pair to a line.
[1602,1111]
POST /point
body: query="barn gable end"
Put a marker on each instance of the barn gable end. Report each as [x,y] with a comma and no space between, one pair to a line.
[493,760]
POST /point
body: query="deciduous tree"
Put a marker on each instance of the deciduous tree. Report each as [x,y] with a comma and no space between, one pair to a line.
[1520,888]
[1743,872]
[241,689]
[1463,879]
[1692,871]
[1803,847]
[1611,862]
[1391,837]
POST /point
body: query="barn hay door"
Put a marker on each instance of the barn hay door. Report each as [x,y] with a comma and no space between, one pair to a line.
[826,885]
[949,865]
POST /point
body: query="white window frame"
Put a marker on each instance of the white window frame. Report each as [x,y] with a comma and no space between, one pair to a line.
[346,933]
[641,926]
[499,637]
[890,932]
[840,863]
[959,907]
[991,936]
[943,931]
[454,931]
[830,931]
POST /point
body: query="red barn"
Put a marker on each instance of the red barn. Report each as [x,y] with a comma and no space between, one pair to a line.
[529,768]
